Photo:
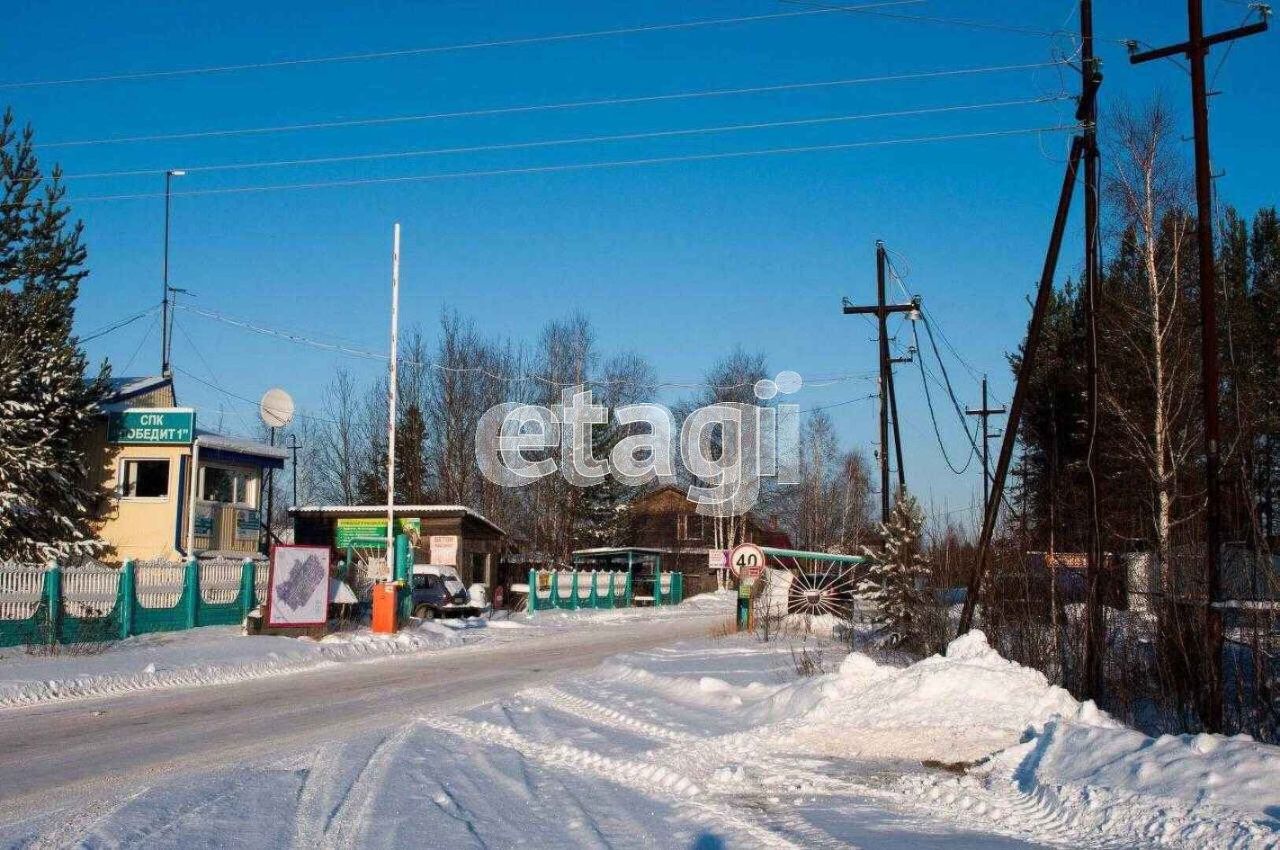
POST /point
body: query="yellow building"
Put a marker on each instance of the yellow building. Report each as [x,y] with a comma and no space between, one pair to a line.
[142,456]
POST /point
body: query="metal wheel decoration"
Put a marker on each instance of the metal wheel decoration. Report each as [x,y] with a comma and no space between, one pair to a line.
[368,565]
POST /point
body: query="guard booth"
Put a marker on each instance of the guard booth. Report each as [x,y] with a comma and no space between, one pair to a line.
[445,535]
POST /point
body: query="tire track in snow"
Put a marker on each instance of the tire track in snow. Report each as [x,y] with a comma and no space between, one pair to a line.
[644,776]
[1075,817]
[318,798]
[566,703]
[350,822]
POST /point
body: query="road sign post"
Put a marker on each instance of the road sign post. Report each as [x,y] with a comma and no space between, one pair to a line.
[746,561]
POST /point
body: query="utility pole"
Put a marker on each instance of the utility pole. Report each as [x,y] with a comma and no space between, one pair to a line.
[1195,48]
[1083,150]
[893,412]
[986,412]
[881,311]
[271,489]
[1095,636]
[293,445]
[1030,351]
[165,328]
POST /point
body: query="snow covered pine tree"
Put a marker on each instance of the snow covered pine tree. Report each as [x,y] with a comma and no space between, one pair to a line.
[46,406]
[896,573]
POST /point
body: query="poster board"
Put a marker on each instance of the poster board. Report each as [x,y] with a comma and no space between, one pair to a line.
[444,550]
[298,587]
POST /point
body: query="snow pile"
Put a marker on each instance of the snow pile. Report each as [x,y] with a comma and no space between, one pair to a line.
[1029,753]
[953,708]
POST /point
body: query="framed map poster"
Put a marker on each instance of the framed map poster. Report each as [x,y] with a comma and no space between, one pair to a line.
[298,588]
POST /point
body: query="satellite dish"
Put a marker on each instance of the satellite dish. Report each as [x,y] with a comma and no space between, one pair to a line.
[276,408]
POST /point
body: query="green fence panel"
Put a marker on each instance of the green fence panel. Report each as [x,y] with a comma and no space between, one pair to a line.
[174,619]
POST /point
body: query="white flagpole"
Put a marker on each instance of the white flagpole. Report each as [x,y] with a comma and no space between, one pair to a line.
[391,402]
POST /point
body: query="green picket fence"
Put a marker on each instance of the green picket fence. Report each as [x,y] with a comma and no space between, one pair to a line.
[577,589]
[59,605]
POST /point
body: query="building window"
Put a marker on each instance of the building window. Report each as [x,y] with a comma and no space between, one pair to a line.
[682,526]
[145,479]
[227,486]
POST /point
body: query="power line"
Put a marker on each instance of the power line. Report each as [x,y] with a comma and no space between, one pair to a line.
[301,339]
[582,166]
[933,417]
[443,48]
[117,325]
[207,367]
[654,134]
[542,107]
[241,398]
[930,19]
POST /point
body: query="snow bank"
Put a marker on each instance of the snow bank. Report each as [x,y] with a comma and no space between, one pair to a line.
[1033,752]
[953,708]
[205,656]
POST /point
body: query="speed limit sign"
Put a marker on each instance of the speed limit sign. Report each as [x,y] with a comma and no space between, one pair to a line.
[747,562]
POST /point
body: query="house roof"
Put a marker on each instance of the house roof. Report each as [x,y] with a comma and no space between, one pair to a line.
[399,510]
[240,445]
[122,390]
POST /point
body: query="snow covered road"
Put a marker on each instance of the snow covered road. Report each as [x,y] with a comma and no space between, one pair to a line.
[682,741]
[59,753]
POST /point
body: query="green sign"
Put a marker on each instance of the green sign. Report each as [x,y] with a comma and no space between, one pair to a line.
[349,528]
[167,426]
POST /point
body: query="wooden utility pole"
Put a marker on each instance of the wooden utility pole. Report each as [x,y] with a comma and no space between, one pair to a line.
[1095,637]
[1030,351]
[881,311]
[293,445]
[986,412]
[1195,49]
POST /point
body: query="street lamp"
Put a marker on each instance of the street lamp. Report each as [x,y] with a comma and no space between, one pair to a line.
[164,295]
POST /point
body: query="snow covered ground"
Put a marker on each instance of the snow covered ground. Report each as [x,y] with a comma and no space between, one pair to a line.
[717,743]
[222,654]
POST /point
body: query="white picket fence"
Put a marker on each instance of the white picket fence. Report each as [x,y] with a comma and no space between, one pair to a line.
[220,581]
[89,591]
[21,586]
[158,584]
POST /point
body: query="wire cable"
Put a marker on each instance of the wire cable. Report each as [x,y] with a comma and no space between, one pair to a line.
[933,417]
[577,166]
[653,134]
[301,339]
[543,107]
[442,48]
[117,325]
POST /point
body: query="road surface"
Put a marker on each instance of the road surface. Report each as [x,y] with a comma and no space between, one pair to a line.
[62,754]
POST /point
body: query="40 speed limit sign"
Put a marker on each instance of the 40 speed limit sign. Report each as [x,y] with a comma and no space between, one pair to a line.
[746,560]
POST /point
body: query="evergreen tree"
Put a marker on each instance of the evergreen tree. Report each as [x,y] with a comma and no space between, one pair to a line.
[894,580]
[47,408]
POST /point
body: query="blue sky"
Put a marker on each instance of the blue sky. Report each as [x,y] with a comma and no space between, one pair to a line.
[680,261]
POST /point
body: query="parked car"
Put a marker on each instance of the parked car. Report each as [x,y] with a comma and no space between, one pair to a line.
[438,591]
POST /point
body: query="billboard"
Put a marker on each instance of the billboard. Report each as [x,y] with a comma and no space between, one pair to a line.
[374,529]
[298,588]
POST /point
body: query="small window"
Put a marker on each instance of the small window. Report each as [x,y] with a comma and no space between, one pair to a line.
[145,479]
[419,582]
[227,486]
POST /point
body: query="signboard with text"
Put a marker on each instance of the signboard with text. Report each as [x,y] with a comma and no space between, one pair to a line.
[444,550]
[152,426]
[374,529]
